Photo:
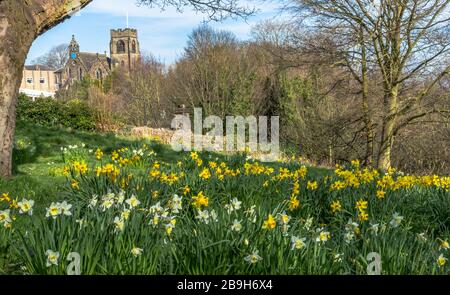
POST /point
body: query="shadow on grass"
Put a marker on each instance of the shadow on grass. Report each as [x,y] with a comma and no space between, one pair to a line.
[47,142]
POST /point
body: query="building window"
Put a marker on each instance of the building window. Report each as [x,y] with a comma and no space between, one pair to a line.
[80,74]
[69,73]
[42,80]
[133,47]
[120,46]
[99,74]
[30,80]
[122,64]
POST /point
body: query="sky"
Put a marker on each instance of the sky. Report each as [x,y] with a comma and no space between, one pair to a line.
[161,33]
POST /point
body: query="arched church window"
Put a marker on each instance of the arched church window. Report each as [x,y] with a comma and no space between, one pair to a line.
[80,74]
[99,74]
[122,64]
[69,73]
[133,46]
[120,46]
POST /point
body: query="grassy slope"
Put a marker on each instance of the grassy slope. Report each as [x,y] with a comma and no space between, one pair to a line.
[33,170]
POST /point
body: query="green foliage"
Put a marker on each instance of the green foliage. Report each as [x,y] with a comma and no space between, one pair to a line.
[50,112]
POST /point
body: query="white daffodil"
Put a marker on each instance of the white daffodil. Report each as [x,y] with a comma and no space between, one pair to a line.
[26,206]
[323,236]
[107,202]
[133,202]
[375,228]
[203,216]
[52,258]
[442,260]
[234,205]
[422,237]
[119,223]
[396,220]
[338,257]
[125,214]
[137,251]
[284,218]
[155,220]
[120,197]
[213,215]
[253,257]
[93,202]
[65,208]
[156,208]
[53,211]
[308,223]
[82,222]
[176,204]
[349,236]
[250,211]
[236,226]
[5,217]
[298,243]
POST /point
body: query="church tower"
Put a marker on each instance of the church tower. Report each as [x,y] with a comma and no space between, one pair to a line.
[74,49]
[124,49]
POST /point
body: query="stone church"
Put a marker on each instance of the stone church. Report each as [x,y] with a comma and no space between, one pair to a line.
[124,55]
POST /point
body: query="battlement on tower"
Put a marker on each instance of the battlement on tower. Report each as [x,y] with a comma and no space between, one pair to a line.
[120,33]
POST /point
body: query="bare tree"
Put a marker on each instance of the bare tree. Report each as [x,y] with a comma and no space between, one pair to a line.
[56,58]
[21,22]
[407,40]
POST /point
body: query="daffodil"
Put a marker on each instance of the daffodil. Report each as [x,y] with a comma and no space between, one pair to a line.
[133,202]
[269,223]
[203,216]
[137,251]
[65,208]
[294,203]
[52,258]
[53,211]
[176,203]
[284,218]
[107,202]
[200,200]
[381,194]
[298,243]
[323,236]
[312,185]
[253,258]
[5,217]
[119,223]
[93,202]
[444,245]
[396,220]
[234,205]
[26,206]
[236,226]
[336,206]
[442,260]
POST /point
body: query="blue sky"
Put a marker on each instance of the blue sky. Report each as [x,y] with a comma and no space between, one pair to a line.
[162,33]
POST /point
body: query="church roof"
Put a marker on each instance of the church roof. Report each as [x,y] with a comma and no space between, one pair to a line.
[38,68]
[89,59]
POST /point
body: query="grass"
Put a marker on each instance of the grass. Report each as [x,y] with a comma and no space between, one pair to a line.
[137,207]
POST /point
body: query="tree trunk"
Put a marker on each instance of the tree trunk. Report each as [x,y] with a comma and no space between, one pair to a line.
[387,133]
[16,35]
[367,113]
